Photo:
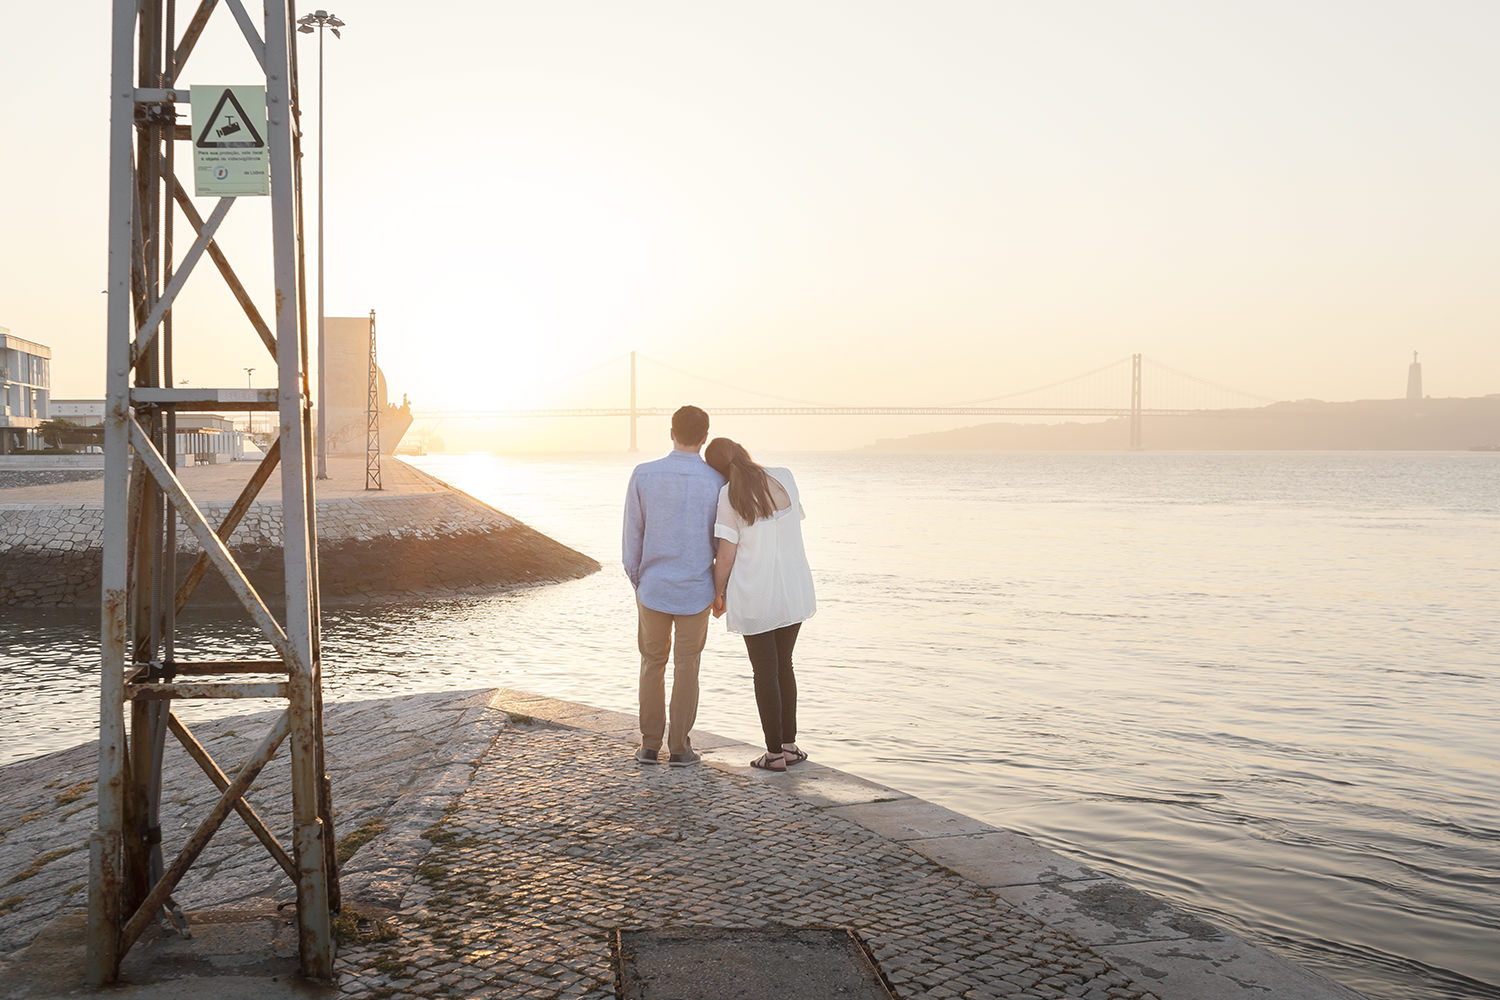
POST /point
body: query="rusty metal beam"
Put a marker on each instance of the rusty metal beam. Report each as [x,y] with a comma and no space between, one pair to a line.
[106,844]
[191,34]
[161,691]
[201,836]
[221,781]
[311,812]
[208,538]
[146,335]
[241,295]
[206,400]
[231,521]
[209,668]
[247,27]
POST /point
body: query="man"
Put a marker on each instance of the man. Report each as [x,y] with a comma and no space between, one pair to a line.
[669,557]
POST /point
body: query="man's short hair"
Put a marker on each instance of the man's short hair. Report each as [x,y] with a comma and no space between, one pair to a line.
[689,426]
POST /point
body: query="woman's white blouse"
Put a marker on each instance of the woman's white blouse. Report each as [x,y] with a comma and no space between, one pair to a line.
[771,583]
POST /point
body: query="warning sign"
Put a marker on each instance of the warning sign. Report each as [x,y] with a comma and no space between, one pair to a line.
[229,145]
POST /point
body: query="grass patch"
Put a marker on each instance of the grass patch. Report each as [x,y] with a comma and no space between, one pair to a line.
[354,840]
[73,792]
[6,905]
[40,863]
[437,836]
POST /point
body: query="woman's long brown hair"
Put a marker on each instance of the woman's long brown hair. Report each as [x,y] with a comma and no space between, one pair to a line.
[749,484]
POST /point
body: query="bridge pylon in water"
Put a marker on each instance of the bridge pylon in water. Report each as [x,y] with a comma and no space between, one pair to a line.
[130,886]
[1135,402]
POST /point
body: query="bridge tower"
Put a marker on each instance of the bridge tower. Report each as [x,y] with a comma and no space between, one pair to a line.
[633,412]
[1135,402]
[144,498]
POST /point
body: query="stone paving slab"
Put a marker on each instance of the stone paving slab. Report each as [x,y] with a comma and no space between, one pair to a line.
[912,819]
[510,838]
[1001,859]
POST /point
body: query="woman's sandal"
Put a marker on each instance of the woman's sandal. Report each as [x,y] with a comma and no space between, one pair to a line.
[769,762]
[793,756]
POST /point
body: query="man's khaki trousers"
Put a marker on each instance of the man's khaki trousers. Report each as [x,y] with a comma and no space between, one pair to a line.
[654,635]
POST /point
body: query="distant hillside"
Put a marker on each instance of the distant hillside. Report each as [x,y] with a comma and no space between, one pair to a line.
[1363,425]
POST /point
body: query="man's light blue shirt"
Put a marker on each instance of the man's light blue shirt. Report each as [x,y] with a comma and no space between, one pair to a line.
[668,549]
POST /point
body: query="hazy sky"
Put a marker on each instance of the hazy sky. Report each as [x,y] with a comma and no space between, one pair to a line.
[835,201]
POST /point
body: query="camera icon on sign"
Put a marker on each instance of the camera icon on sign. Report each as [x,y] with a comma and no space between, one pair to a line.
[221,173]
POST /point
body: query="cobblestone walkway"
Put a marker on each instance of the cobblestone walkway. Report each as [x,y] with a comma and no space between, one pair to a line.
[560,840]
[496,841]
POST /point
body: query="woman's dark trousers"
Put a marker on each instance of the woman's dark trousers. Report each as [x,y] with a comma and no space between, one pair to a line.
[775,684]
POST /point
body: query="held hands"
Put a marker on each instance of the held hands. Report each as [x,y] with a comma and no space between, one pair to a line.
[718,606]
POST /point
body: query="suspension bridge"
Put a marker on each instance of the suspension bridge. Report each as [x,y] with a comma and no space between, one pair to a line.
[1115,390]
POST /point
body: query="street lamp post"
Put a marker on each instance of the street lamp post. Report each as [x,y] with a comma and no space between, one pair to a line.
[320,19]
[250,385]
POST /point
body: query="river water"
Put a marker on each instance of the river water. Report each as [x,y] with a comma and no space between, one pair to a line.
[1263,685]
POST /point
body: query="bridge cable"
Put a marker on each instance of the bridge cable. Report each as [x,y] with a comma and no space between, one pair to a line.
[1050,385]
[726,385]
[1213,385]
[590,370]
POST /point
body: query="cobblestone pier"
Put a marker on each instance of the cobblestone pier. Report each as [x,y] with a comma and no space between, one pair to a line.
[496,841]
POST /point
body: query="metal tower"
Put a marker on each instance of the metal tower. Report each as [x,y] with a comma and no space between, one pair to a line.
[1135,402]
[372,418]
[144,499]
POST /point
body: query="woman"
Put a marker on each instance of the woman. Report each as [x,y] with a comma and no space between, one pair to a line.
[764,585]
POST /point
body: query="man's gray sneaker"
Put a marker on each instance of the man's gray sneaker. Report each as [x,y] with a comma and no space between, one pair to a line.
[645,756]
[687,759]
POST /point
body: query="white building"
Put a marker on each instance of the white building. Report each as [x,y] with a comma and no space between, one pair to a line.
[208,439]
[202,438]
[83,412]
[25,386]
